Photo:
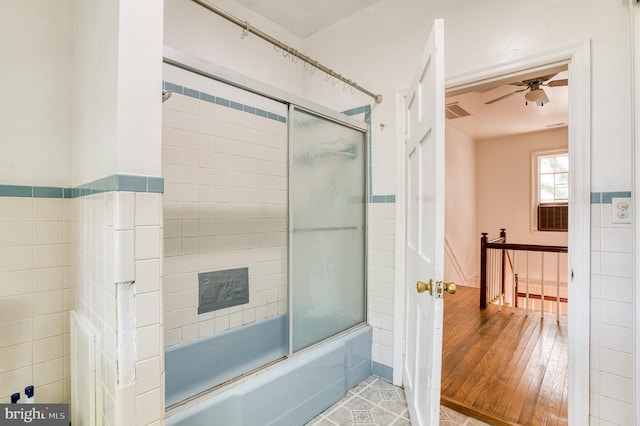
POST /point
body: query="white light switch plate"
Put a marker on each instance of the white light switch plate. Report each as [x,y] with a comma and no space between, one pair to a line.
[621,210]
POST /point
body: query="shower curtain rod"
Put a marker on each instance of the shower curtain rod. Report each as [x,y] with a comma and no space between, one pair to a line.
[249,29]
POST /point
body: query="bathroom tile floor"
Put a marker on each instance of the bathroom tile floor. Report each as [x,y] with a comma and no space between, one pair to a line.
[376,402]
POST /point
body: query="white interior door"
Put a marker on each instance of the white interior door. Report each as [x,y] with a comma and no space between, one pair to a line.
[424,113]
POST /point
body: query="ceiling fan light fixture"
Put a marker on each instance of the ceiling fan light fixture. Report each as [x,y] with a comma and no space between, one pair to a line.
[535,95]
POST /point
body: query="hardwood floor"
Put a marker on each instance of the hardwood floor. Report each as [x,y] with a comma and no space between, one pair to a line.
[503,368]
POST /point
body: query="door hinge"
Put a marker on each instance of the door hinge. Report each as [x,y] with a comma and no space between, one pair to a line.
[404,347]
[406,136]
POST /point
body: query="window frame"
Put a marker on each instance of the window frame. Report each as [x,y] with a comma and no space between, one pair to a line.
[535,183]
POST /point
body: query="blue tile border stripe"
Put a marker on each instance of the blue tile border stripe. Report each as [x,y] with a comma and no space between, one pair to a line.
[130,183]
[207,97]
[373,199]
[605,197]
[16,191]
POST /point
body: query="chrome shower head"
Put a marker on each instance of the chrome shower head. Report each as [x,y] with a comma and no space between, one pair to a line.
[166,94]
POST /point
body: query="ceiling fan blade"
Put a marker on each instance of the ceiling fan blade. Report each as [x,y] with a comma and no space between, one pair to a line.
[504,97]
[544,100]
[546,77]
[556,83]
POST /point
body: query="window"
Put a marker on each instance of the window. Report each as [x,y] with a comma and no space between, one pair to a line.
[553,178]
[550,192]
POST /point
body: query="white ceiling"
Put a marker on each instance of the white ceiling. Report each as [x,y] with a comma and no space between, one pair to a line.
[305,17]
[509,116]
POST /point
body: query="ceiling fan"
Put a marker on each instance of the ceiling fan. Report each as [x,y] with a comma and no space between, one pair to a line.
[534,90]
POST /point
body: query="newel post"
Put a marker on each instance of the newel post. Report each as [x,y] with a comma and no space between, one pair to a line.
[503,236]
[483,270]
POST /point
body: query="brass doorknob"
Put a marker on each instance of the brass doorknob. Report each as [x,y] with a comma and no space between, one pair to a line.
[450,287]
[422,286]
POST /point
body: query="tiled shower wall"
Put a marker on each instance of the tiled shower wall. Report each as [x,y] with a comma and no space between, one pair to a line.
[381,270]
[611,357]
[35,296]
[225,205]
[117,238]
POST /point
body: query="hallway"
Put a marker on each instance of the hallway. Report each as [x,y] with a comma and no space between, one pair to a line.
[504,366]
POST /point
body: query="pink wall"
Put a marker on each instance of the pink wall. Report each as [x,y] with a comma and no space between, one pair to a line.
[461,250]
[488,186]
[503,185]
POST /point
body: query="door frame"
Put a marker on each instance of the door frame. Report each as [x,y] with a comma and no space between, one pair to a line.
[578,59]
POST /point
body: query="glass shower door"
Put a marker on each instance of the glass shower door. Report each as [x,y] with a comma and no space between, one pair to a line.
[327,227]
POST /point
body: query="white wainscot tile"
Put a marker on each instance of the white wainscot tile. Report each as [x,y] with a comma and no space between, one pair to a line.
[148,209]
[16,258]
[16,283]
[147,275]
[48,372]
[616,338]
[617,289]
[616,264]
[616,313]
[147,309]
[618,387]
[148,341]
[615,362]
[148,375]
[125,210]
[149,407]
[15,332]
[615,411]
[617,239]
[47,209]
[14,308]
[45,326]
[47,256]
[14,209]
[16,356]
[124,260]
[16,233]
[47,233]
[148,243]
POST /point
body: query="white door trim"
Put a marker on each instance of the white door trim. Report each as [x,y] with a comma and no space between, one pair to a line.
[578,59]
[635,190]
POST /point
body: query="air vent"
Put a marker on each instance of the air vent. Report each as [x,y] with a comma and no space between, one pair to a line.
[553,217]
[455,110]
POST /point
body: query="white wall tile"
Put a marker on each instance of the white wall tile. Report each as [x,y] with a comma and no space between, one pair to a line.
[147,309]
[147,375]
[124,253]
[47,209]
[148,209]
[16,209]
[16,283]
[14,308]
[147,242]
[16,258]
[10,378]
[15,332]
[48,349]
[148,341]
[615,411]
[124,210]
[16,233]
[616,264]
[149,407]
[47,256]
[46,373]
[616,338]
